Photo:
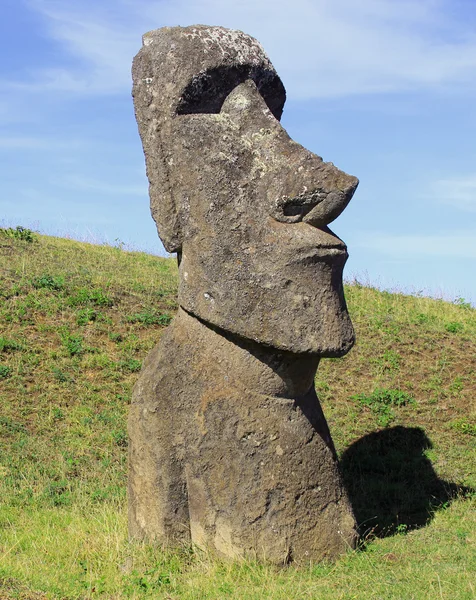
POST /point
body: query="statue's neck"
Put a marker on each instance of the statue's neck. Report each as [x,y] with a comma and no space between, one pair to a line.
[247,364]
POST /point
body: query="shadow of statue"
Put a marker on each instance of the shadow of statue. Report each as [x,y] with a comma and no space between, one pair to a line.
[392,484]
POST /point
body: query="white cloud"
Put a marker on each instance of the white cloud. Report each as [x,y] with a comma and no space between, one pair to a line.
[321,48]
[98,42]
[456,244]
[457,192]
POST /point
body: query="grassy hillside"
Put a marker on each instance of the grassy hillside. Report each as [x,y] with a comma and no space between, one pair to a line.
[76,321]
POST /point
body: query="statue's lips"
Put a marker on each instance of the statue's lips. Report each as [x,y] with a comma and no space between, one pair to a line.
[331,253]
[303,242]
[314,256]
[324,243]
[338,251]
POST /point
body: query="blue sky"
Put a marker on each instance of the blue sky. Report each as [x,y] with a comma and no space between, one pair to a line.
[385,89]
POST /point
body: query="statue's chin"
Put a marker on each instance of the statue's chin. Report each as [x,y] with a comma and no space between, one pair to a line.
[305,314]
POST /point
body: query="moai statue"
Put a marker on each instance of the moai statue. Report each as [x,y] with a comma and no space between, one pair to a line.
[229,448]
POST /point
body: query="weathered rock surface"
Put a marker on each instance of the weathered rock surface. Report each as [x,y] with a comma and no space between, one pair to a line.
[228,444]
[245,206]
[216,460]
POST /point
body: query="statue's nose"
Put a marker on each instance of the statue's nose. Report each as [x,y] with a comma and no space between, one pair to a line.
[323,192]
[300,185]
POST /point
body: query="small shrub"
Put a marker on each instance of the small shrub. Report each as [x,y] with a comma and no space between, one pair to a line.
[422,319]
[73,343]
[58,493]
[385,397]
[463,304]
[106,417]
[456,386]
[454,327]
[49,282]
[61,376]
[57,413]
[115,337]
[322,386]
[85,296]
[10,426]
[165,319]
[98,360]
[131,365]
[87,315]
[19,233]
[380,402]
[5,371]
[150,580]
[388,361]
[100,495]
[120,438]
[7,345]
[149,318]
[464,426]
[125,398]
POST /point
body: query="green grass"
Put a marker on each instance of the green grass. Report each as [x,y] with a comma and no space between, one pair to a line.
[76,322]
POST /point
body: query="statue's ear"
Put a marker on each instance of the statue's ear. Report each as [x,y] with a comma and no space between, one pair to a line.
[164,209]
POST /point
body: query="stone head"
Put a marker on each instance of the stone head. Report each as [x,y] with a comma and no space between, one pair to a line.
[245,207]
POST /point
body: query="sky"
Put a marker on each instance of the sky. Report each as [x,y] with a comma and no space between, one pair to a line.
[384,89]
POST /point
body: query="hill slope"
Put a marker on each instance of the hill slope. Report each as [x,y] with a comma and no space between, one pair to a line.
[76,321]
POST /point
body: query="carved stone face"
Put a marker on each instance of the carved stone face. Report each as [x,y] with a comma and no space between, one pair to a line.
[246,207]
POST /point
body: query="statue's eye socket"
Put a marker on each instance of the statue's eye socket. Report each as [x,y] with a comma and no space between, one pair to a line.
[207,91]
